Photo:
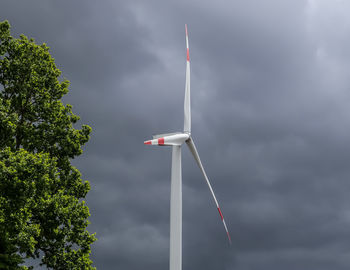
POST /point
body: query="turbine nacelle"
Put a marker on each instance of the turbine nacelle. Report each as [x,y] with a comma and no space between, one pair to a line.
[172,139]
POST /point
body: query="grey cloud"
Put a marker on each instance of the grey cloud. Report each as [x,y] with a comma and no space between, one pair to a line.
[270,94]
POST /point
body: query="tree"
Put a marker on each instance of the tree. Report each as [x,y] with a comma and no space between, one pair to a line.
[42,214]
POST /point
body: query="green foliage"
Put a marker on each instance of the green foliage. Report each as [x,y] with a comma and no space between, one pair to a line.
[42,214]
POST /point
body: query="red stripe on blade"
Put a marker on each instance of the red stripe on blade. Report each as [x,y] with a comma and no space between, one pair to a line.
[222,217]
[161,141]
[188,54]
[147,142]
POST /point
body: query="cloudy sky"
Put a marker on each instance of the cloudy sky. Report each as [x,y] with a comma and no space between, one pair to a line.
[270,85]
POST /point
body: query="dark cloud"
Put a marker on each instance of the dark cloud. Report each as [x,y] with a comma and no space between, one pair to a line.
[270,117]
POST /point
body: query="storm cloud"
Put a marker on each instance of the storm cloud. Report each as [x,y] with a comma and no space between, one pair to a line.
[270,87]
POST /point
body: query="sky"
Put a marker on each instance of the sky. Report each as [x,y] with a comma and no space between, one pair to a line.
[270,83]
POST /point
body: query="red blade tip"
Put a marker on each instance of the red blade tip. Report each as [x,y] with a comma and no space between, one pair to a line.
[147,142]
[229,238]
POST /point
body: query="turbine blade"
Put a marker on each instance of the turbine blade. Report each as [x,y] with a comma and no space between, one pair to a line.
[174,139]
[187,103]
[194,152]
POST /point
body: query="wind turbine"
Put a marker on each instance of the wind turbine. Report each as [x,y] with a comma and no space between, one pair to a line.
[176,140]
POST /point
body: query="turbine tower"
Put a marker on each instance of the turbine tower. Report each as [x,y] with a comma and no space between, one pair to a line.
[176,140]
